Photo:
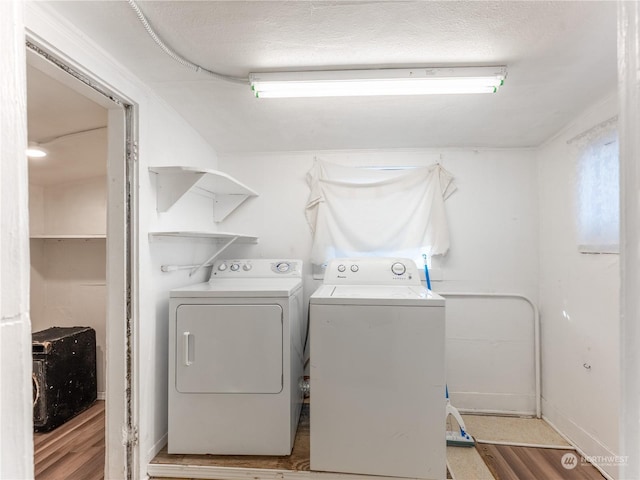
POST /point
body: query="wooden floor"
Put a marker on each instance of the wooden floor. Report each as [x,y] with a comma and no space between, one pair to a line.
[295,466]
[74,450]
[297,461]
[508,462]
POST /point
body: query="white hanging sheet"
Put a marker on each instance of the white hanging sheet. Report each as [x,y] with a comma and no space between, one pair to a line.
[357,211]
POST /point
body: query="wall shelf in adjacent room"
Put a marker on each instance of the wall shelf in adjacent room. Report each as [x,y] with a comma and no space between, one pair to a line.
[68,237]
[174,182]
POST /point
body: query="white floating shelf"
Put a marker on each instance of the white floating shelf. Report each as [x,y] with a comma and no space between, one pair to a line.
[217,236]
[224,238]
[70,237]
[174,182]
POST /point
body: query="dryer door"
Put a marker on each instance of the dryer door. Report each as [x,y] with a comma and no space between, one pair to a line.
[229,349]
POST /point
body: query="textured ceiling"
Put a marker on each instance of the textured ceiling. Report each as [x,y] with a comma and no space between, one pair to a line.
[561,57]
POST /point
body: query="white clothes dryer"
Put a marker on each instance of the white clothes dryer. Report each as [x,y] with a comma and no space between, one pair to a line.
[236,360]
[377,344]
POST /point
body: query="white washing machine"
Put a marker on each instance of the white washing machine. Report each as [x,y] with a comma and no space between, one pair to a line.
[236,360]
[377,371]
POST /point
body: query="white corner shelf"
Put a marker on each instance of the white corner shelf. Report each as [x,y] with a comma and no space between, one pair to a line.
[69,237]
[174,182]
[215,236]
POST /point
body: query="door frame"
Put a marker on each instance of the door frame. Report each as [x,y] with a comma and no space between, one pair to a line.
[121,443]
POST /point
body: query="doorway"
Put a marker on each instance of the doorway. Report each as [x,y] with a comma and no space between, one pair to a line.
[80,203]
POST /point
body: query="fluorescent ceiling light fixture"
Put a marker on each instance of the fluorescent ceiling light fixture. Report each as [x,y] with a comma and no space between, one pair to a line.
[36,151]
[391,81]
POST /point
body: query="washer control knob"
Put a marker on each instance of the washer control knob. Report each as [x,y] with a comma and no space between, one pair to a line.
[235,267]
[398,268]
[246,267]
[222,267]
[341,268]
[283,267]
[354,268]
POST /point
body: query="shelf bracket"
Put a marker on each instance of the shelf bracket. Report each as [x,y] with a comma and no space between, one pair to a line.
[172,187]
[225,204]
[212,257]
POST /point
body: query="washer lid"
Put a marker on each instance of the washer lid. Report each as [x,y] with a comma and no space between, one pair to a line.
[376,295]
[241,288]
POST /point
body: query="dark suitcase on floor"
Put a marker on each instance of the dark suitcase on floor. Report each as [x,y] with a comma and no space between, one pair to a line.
[64,374]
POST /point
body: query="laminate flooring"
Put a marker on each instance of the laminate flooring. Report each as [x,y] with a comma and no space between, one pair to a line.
[508,462]
[74,450]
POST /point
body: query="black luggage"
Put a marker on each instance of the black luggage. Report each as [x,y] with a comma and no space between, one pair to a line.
[64,374]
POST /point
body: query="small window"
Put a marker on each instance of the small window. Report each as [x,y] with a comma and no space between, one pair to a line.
[599,194]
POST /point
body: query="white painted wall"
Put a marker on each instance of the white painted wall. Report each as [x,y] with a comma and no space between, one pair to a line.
[493,221]
[579,302]
[76,208]
[164,139]
[68,277]
[36,209]
[183,146]
[16,411]
[69,289]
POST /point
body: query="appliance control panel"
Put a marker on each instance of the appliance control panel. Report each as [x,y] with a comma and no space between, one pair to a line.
[256,268]
[372,271]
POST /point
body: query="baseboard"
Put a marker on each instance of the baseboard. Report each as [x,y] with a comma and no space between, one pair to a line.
[159,445]
[102,396]
[591,449]
[494,403]
[497,413]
